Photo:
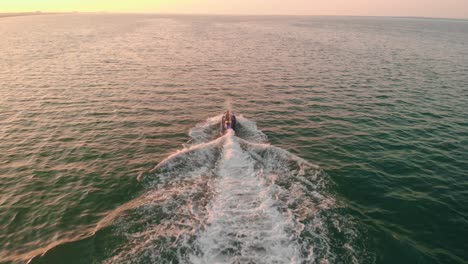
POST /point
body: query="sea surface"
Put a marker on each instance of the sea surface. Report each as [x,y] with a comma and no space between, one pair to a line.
[352,142]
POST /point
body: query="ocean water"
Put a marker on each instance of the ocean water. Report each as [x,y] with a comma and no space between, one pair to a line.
[352,144]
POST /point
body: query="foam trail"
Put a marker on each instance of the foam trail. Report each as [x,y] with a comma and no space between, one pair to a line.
[232,199]
[243,220]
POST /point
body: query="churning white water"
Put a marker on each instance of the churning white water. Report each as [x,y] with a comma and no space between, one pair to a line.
[230,198]
[243,223]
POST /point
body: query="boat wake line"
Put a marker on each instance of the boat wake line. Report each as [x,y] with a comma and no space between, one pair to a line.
[234,199]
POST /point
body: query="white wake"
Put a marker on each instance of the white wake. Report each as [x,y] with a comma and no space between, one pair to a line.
[232,199]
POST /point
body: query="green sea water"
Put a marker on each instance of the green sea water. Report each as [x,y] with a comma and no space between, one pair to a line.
[91,104]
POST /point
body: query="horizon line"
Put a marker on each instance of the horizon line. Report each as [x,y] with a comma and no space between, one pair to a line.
[39,12]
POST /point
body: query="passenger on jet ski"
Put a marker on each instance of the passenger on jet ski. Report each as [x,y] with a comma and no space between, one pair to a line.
[228,122]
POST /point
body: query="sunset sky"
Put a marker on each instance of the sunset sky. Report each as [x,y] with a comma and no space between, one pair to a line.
[424,8]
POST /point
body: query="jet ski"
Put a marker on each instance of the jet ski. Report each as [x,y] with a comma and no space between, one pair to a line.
[228,122]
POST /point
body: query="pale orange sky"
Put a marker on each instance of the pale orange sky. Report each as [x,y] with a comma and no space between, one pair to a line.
[424,8]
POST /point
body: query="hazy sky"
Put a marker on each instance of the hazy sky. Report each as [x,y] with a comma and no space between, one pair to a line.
[426,8]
